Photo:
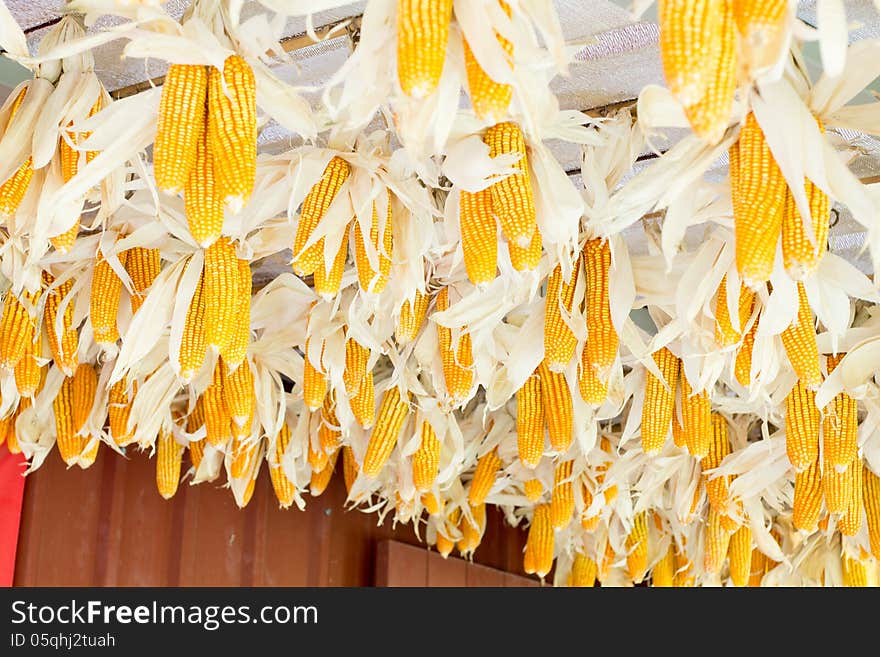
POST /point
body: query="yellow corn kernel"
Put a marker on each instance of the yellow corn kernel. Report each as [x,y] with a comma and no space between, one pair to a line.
[740,553]
[320,480]
[349,468]
[758,191]
[471,533]
[726,334]
[688,29]
[637,548]
[609,557]
[143,266]
[761,25]
[356,359]
[328,280]
[422,34]
[801,427]
[369,279]
[512,198]
[426,459]
[169,457]
[393,410]
[85,386]
[490,99]
[444,542]
[221,280]
[696,414]
[232,130]
[70,157]
[558,409]
[717,488]
[583,571]
[119,410]
[710,115]
[479,236]
[807,498]
[530,421]
[850,522]
[659,404]
[218,422]
[800,254]
[432,505]
[238,392]
[559,341]
[70,445]
[836,487]
[412,317]
[588,523]
[538,558]
[743,364]
[181,124]
[854,572]
[678,436]
[562,499]
[484,477]
[64,241]
[104,299]
[458,363]
[526,258]
[533,489]
[64,349]
[715,545]
[236,350]
[663,573]
[600,351]
[14,188]
[16,327]
[203,202]
[285,491]
[314,379]
[28,370]
[799,341]
[840,425]
[314,207]
[871,501]
[193,342]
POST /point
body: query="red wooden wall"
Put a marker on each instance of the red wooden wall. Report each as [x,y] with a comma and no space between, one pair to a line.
[107,526]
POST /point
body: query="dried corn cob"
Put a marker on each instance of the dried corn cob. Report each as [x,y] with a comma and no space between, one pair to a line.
[583,571]
[238,393]
[218,422]
[807,498]
[232,129]
[393,411]
[799,341]
[526,258]
[558,409]
[431,503]
[484,477]
[422,34]
[28,370]
[637,548]
[412,317]
[479,236]
[659,402]
[236,350]
[14,188]
[850,522]
[314,380]
[854,572]
[801,427]
[490,99]
[369,279]
[328,280]
[743,364]
[314,207]
[143,266]
[119,410]
[836,487]
[70,445]
[717,540]
[512,198]
[559,341]
[600,351]
[740,553]
[181,124]
[726,334]
[472,532]
[696,415]
[458,363]
[320,480]
[663,573]
[349,468]
[193,343]
[426,459]
[220,280]
[104,299]
[688,29]
[717,488]
[16,327]
[530,421]
[169,457]
[562,500]
[761,24]
[533,489]
[840,425]
[202,194]
[538,558]
[758,190]
[871,500]
[64,350]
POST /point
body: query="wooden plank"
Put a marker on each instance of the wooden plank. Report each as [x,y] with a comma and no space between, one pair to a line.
[446,572]
[401,565]
[480,576]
